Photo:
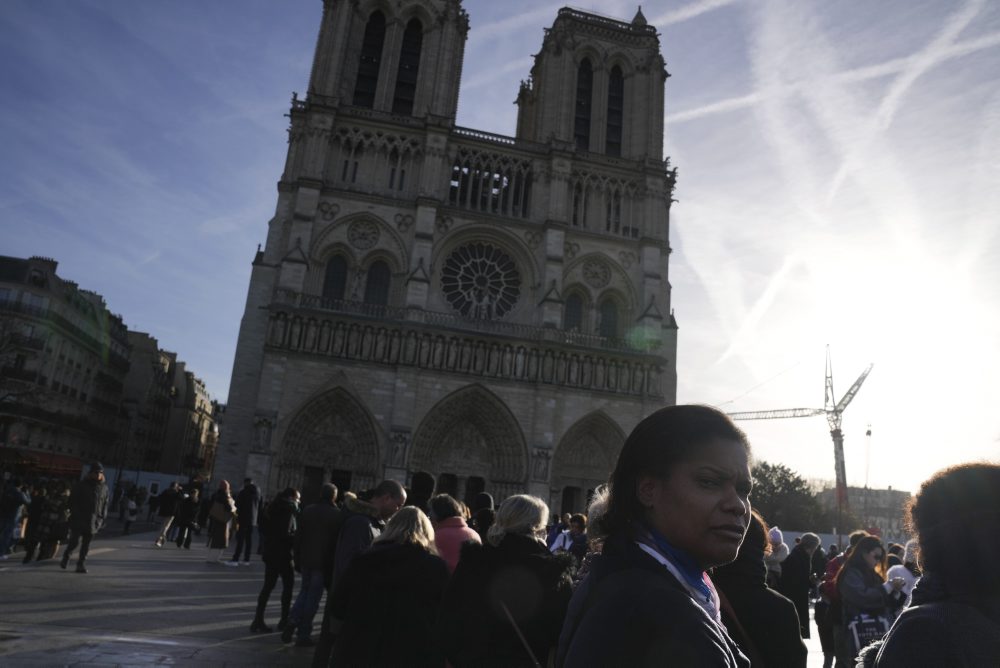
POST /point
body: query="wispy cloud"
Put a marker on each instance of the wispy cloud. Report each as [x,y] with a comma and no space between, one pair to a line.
[690,11]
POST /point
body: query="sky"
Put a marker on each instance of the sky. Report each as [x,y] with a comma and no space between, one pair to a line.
[838,162]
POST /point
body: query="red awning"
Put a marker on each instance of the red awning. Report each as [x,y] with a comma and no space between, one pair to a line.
[47,462]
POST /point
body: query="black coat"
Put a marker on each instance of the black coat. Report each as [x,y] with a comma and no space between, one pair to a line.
[630,611]
[316,539]
[360,526]
[769,620]
[88,506]
[247,505]
[938,630]
[279,522]
[795,584]
[387,603]
[521,574]
[187,512]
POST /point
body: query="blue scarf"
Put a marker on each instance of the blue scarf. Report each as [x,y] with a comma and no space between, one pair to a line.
[689,569]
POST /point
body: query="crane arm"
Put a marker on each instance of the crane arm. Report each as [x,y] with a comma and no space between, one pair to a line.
[780,413]
[849,395]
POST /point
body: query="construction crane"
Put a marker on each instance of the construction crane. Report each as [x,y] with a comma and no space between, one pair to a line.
[834,413]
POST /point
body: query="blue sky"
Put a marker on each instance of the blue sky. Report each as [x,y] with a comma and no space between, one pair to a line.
[838,185]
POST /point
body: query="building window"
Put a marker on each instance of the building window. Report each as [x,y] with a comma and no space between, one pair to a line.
[377,284]
[584,92]
[480,281]
[616,111]
[608,325]
[409,63]
[371,58]
[573,314]
[335,279]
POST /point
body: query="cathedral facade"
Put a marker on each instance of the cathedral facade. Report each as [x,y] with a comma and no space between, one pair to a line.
[491,310]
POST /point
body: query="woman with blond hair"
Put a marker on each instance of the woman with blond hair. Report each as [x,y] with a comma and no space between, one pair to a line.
[506,600]
[387,600]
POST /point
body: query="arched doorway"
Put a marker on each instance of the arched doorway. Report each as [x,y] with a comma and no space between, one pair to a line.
[470,442]
[584,460]
[331,439]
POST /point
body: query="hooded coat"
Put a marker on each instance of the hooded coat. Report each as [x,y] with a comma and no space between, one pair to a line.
[519,574]
[769,619]
[387,603]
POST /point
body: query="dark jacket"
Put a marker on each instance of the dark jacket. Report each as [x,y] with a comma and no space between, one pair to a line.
[360,526]
[167,504]
[630,611]
[316,538]
[768,619]
[247,505]
[521,574]
[11,501]
[88,506]
[390,582]
[939,630]
[795,584]
[861,591]
[187,512]
[280,523]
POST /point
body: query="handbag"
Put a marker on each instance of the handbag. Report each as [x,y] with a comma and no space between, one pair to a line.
[865,629]
[220,513]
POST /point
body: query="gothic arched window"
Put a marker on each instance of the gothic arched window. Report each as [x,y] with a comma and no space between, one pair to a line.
[608,326]
[371,58]
[377,284]
[573,313]
[335,278]
[584,93]
[616,111]
[409,63]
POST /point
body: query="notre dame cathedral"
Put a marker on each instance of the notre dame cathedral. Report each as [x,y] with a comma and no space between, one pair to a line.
[491,310]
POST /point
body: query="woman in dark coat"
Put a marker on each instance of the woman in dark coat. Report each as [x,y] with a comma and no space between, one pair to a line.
[278,523]
[678,505]
[954,613]
[389,597]
[220,515]
[761,621]
[797,577]
[864,591]
[186,519]
[511,580]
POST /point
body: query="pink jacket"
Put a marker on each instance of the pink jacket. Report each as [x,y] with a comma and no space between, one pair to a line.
[449,535]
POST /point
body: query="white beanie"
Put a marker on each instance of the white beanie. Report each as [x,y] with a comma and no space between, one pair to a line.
[775,535]
[910,552]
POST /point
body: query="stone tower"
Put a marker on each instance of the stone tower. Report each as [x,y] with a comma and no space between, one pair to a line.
[493,311]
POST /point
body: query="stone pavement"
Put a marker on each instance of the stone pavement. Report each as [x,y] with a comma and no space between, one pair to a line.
[138,605]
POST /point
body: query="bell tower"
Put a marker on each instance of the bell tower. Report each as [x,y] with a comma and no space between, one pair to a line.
[597,84]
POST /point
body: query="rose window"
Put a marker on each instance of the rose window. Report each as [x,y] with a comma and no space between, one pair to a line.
[480,281]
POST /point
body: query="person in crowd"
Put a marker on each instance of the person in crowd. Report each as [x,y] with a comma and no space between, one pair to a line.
[678,505]
[279,522]
[573,541]
[88,508]
[131,511]
[421,490]
[797,577]
[35,512]
[779,552]
[315,548]
[450,529]
[247,505]
[365,517]
[399,578]
[557,529]
[595,538]
[53,528]
[763,623]
[818,567]
[894,555]
[908,570]
[220,515]
[186,518]
[12,499]
[166,508]
[828,609]
[483,514]
[864,590]
[954,616]
[153,503]
[506,600]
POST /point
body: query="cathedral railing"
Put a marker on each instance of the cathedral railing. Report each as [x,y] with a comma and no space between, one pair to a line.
[442,342]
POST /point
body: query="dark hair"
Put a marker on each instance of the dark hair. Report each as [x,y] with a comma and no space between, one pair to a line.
[289,493]
[444,506]
[854,559]
[667,437]
[854,537]
[956,519]
[579,518]
[389,488]
[328,492]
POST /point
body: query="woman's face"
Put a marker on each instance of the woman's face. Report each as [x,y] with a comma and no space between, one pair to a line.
[703,505]
[873,557]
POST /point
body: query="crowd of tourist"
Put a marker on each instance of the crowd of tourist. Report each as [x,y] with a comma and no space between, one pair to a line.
[669,566]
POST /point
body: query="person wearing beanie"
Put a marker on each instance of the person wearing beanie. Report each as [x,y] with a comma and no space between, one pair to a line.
[779,552]
[88,507]
[908,569]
